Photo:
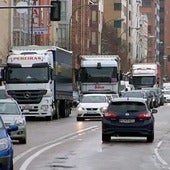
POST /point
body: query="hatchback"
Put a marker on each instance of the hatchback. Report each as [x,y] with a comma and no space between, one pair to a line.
[91,106]
[6,146]
[12,115]
[128,117]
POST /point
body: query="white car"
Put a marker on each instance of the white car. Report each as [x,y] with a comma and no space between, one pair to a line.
[91,106]
[166,94]
[12,115]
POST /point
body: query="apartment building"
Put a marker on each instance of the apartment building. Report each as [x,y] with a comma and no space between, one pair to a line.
[123,20]
[166,56]
[151,9]
[5,37]
[33,26]
[86,26]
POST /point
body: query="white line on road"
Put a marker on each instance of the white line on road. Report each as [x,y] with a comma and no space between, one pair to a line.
[49,145]
[156,150]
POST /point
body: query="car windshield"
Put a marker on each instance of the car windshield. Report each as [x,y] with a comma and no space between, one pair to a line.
[133,94]
[9,109]
[123,107]
[93,99]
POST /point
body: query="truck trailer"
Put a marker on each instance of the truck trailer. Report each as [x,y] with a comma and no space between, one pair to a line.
[99,74]
[39,78]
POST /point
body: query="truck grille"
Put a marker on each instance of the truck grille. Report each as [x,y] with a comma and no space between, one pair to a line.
[27,96]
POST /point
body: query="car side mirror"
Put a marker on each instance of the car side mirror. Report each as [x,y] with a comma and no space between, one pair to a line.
[154,111]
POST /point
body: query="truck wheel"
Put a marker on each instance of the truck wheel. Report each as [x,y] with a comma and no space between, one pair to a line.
[49,118]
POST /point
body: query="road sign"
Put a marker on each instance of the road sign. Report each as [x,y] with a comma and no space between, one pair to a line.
[40,30]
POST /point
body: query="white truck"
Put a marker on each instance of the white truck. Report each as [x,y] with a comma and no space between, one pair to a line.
[99,74]
[146,75]
[39,78]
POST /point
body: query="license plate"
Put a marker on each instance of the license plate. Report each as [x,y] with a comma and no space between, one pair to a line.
[27,107]
[127,120]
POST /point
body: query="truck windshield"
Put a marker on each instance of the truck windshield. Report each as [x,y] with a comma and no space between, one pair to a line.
[144,80]
[103,74]
[28,75]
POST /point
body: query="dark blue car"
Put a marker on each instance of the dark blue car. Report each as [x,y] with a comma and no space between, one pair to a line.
[6,147]
[128,117]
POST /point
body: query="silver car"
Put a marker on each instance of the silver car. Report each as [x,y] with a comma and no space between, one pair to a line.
[91,106]
[12,115]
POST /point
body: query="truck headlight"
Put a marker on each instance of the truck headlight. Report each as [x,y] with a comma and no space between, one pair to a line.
[4,143]
[44,107]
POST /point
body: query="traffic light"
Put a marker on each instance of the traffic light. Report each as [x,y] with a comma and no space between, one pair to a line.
[55,13]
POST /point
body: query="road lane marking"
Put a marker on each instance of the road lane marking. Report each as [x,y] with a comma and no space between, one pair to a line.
[18,157]
[156,150]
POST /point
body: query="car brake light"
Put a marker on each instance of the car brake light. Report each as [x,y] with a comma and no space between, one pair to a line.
[145,115]
[110,115]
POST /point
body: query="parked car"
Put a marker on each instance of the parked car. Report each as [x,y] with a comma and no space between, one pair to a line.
[91,106]
[139,94]
[128,117]
[6,146]
[166,96]
[12,115]
[159,95]
[112,96]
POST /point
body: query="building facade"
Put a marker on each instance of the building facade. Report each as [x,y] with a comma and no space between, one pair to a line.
[151,8]
[86,26]
[5,37]
[167,40]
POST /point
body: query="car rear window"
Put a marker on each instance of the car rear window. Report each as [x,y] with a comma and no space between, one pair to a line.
[127,107]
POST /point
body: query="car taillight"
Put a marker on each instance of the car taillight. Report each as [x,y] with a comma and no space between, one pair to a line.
[110,115]
[145,115]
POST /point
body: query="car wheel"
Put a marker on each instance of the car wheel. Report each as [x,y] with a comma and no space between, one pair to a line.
[11,165]
[22,141]
[150,138]
[106,138]
[80,119]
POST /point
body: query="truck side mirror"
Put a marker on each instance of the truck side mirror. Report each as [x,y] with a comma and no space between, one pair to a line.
[52,74]
[3,74]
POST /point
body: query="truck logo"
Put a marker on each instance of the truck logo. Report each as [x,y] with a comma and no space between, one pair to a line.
[35,58]
[27,95]
[97,86]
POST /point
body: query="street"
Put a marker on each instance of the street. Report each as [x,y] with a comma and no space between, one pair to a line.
[68,144]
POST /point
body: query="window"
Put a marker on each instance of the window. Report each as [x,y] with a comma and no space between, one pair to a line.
[63,10]
[117,6]
[117,23]
[123,107]
[94,16]
[147,3]
[94,38]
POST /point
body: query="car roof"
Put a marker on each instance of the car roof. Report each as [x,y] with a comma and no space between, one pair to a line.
[95,95]
[129,99]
